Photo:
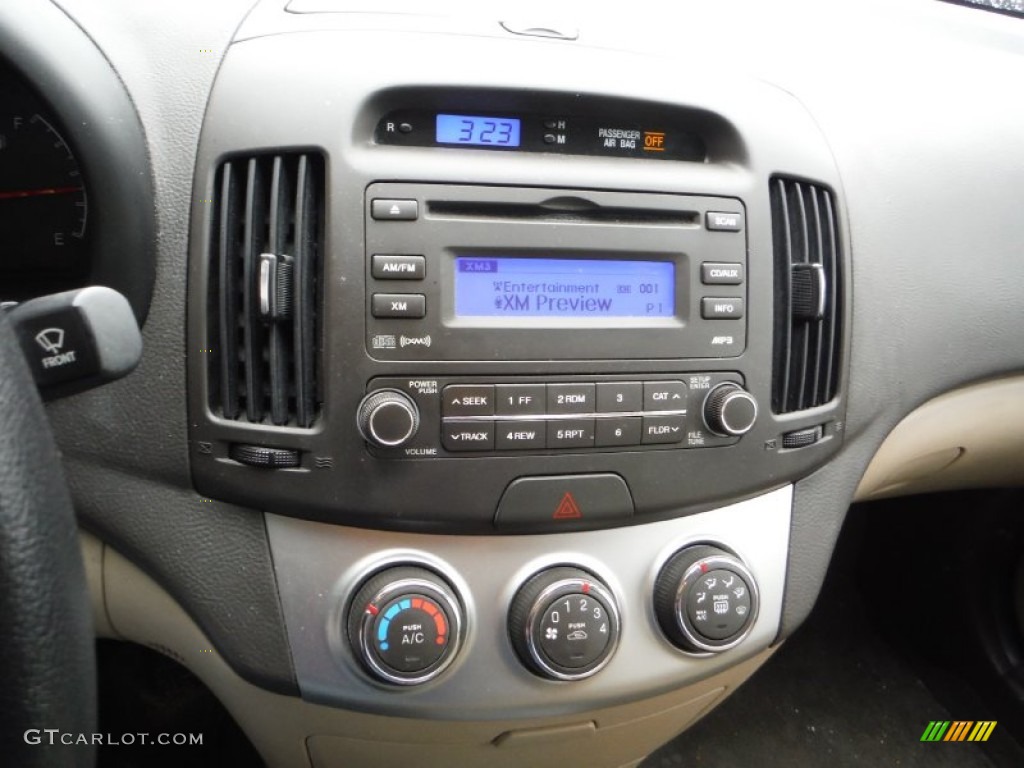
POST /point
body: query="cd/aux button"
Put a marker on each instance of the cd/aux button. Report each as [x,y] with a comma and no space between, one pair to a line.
[460,436]
[721,273]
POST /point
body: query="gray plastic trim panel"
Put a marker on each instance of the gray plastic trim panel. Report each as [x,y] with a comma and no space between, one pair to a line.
[320,566]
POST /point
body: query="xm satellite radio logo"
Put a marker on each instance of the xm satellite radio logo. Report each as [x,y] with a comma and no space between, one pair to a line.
[958,730]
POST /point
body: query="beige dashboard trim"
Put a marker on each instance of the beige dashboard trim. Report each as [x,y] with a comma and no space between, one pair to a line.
[291,733]
[968,438]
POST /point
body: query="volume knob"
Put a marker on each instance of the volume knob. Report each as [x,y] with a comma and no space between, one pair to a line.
[729,410]
[388,418]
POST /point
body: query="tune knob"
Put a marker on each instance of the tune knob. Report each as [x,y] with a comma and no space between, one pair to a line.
[388,418]
[564,624]
[705,599]
[729,410]
[405,625]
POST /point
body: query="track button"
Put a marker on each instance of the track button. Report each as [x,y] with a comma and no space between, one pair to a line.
[460,436]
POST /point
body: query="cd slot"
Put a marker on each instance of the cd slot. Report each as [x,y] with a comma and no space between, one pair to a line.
[561,210]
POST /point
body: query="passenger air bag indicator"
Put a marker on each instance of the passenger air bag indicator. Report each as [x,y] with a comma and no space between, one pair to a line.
[654,141]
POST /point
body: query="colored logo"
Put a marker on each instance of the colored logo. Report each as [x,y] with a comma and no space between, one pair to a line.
[958,730]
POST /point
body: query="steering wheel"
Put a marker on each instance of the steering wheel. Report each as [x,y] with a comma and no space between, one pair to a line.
[47,661]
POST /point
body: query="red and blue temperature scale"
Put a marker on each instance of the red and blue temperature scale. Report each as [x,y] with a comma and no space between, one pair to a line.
[413,637]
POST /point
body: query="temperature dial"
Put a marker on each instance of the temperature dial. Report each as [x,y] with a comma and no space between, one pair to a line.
[388,418]
[564,624]
[405,625]
[705,599]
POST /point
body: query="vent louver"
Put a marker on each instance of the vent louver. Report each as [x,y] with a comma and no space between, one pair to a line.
[264,276]
[808,295]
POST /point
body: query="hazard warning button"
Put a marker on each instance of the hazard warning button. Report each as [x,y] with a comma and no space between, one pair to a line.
[562,501]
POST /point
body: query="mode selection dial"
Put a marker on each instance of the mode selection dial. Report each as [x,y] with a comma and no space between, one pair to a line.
[729,410]
[705,599]
[564,624]
[405,625]
[388,418]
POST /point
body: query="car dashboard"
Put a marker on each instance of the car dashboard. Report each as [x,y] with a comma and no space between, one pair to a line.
[507,377]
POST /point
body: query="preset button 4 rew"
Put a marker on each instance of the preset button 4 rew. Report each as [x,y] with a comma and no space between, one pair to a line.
[520,435]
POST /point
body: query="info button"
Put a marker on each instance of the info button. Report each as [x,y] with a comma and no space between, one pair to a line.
[558,501]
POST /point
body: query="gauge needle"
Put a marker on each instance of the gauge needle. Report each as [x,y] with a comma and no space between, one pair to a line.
[16,193]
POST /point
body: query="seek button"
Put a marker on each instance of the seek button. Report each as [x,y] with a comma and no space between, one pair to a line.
[468,400]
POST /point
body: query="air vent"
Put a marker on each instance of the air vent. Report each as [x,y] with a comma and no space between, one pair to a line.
[264,283]
[808,295]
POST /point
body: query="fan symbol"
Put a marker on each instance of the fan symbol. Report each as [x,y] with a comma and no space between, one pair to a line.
[551,633]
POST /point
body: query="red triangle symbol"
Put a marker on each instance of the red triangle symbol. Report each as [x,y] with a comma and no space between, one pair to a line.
[567,509]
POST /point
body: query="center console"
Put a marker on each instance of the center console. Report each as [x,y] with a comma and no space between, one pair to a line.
[521,373]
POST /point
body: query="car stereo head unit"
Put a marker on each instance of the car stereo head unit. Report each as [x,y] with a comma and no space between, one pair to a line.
[500,273]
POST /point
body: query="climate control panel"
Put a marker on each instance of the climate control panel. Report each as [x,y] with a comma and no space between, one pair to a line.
[405,622]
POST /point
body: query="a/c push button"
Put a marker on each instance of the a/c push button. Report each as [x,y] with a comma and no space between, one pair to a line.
[559,500]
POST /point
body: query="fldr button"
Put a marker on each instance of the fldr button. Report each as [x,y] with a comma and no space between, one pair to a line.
[561,500]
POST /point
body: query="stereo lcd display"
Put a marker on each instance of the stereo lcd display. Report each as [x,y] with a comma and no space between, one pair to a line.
[518,286]
[478,131]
